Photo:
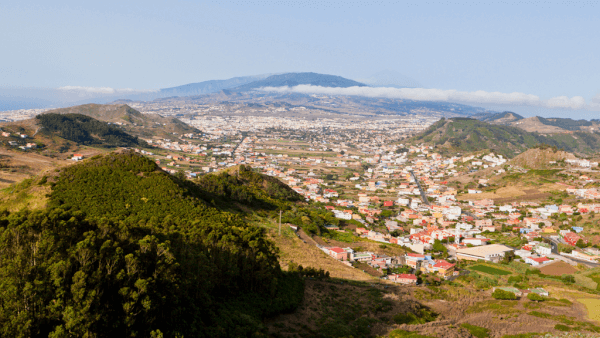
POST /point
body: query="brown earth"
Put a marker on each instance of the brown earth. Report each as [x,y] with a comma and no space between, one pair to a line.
[539,158]
[558,268]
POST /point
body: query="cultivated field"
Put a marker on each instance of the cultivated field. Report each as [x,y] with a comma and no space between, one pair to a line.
[489,269]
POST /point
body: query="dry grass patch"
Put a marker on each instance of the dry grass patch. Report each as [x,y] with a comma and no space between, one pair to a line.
[593,307]
[292,249]
[558,268]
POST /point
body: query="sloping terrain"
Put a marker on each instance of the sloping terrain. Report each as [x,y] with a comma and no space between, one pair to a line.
[133,122]
[505,118]
[540,157]
[123,248]
[468,135]
[86,130]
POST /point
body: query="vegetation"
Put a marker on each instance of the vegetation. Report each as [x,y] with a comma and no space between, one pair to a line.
[423,315]
[476,331]
[535,297]
[505,295]
[489,269]
[124,249]
[86,130]
[467,135]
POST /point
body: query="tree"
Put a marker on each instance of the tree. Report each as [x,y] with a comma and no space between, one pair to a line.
[580,243]
[439,247]
[509,257]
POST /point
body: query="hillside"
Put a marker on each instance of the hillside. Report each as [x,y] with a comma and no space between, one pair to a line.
[134,122]
[556,125]
[467,135]
[540,157]
[506,117]
[211,86]
[294,79]
[125,249]
[85,130]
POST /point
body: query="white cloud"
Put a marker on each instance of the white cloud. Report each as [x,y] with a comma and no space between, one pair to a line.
[576,102]
[444,95]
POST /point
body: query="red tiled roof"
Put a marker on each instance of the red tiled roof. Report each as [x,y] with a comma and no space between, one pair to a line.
[407,276]
[443,264]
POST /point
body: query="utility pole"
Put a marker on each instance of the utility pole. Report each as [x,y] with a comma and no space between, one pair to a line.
[279,222]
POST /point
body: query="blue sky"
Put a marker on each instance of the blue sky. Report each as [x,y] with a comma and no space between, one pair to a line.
[545,49]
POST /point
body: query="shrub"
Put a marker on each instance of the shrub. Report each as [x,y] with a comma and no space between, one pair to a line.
[535,297]
[501,294]
[561,327]
[477,331]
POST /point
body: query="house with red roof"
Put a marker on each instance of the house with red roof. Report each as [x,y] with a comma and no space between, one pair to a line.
[338,253]
[403,278]
[571,238]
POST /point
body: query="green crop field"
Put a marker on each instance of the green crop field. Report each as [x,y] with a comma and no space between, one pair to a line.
[489,269]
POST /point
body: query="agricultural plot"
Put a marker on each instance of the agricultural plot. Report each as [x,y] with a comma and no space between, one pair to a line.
[593,307]
[558,269]
[490,270]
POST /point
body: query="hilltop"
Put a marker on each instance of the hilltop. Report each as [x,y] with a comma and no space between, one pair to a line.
[141,250]
[556,125]
[505,118]
[85,130]
[133,122]
[540,157]
[467,135]
[295,79]
[550,125]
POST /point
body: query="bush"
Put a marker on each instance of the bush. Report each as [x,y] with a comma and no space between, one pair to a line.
[535,297]
[477,331]
[501,294]
[561,327]
[423,315]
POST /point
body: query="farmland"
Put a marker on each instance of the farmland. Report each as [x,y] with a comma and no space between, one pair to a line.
[490,270]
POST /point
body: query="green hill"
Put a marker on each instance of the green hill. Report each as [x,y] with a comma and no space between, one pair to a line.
[134,122]
[85,130]
[125,249]
[466,135]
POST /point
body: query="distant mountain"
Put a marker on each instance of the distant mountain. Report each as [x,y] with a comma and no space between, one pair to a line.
[505,117]
[295,79]
[468,135]
[212,86]
[134,122]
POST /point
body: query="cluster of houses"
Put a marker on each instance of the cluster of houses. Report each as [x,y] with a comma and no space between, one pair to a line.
[416,262]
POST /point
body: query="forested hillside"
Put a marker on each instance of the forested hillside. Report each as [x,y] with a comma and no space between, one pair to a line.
[86,130]
[124,249]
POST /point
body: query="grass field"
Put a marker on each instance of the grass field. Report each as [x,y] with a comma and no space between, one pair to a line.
[593,307]
[489,269]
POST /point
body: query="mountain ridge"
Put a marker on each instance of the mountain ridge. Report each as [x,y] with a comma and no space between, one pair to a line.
[468,135]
